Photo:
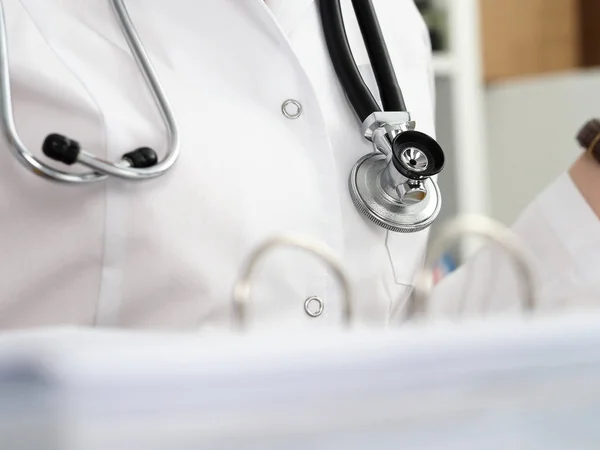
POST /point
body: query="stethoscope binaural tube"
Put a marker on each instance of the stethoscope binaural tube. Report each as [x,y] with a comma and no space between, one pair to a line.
[138,164]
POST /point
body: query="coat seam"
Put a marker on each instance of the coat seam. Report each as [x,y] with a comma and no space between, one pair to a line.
[102,118]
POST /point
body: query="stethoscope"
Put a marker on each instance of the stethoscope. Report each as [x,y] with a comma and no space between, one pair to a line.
[138,164]
[392,186]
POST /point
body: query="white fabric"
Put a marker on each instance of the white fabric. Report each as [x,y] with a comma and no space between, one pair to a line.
[165,253]
[562,237]
[494,384]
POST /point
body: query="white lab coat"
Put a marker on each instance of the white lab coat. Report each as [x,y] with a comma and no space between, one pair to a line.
[166,252]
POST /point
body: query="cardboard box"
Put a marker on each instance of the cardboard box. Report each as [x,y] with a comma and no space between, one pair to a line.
[590,32]
[528,37]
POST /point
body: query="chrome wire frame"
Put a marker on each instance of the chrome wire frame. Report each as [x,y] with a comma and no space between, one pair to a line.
[242,287]
[455,230]
[101,168]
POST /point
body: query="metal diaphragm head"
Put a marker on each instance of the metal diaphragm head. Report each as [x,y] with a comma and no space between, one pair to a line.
[372,200]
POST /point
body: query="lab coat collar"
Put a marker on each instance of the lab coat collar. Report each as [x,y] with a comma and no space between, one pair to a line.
[288,12]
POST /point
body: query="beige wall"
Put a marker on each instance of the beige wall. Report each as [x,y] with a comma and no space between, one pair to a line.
[531,133]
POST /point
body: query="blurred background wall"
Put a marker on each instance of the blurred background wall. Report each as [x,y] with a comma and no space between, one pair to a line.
[515,80]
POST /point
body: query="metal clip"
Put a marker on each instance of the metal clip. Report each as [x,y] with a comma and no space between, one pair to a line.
[242,287]
[392,122]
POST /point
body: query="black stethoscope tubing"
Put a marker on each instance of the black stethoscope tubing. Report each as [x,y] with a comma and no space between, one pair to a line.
[358,93]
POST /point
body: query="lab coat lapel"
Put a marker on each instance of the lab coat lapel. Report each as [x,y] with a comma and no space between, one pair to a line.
[288,12]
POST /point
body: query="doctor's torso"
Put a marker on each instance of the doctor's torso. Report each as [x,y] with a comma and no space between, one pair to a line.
[166,252]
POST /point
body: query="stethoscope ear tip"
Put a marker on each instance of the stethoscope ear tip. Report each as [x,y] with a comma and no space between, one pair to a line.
[417,155]
[60,148]
[141,158]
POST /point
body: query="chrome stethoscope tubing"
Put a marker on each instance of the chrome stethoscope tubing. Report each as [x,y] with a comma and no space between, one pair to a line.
[243,284]
[450,234]
[138,164]
[418,305]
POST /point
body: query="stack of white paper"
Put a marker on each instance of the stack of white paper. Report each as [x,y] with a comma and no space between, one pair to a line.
[503,385]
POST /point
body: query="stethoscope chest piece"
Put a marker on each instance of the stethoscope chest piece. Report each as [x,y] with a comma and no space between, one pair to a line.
[392,186]
[401,206]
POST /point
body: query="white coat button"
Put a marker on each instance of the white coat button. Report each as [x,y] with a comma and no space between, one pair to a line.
[292,109]
[313,306]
